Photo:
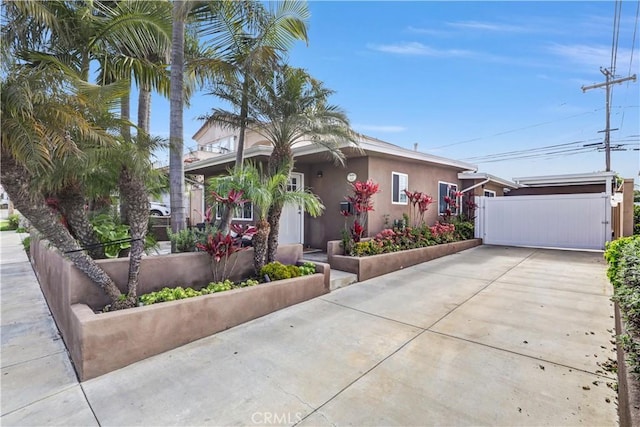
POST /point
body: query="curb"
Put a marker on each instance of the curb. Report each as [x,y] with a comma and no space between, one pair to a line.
[628,388]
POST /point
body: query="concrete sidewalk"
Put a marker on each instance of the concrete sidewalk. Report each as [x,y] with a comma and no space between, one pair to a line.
[38,383]
[490,336]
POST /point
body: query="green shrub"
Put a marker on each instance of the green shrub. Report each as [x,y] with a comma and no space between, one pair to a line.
[26,244]
[464,230]
[372,247]
[184,240]
[636,219]
[114,236]
[307,269]
[613,254]
[623,256]
[21,230]
[278,271]
[172,294]
[14,221]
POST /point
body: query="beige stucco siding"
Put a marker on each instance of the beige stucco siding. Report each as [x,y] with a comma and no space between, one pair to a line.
[332,188]
[422,177]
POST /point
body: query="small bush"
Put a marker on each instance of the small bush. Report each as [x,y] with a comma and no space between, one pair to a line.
[278,271]
[464,230]
[307,269]
[14,221]
[26,244]
[184,240]
[21,230]
[636,219]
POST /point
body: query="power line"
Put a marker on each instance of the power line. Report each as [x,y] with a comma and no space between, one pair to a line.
[517,129]
[616,36]
[633,47]
[563,153]
[529,150]
[537,150]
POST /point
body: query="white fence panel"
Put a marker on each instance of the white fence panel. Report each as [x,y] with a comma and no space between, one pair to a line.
[573,221]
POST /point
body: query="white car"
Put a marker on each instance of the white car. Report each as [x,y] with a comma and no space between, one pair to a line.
[159,209]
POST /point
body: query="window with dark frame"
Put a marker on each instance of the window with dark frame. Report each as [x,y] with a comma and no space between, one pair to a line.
[399,183]
[446,189]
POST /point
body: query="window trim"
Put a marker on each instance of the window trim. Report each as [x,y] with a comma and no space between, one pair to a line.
[235,218]
[401,192]
[490,192]
[440,198]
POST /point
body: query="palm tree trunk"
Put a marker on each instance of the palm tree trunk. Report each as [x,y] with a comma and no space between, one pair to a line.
[281,160]
[260,244]
[16,181]
[144,108]
[135,198]
[125,114]
[72,205]
[244,112]
[274,223]
[176,164]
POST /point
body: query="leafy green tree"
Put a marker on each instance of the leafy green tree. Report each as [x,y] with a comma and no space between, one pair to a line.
[290,107]
[36,117]
[67,37]
[243,39]
[264,191]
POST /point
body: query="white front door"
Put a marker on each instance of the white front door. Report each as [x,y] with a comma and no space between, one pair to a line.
[291,221]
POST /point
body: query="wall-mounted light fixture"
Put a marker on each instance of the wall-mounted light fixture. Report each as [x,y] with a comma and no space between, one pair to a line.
[319,174]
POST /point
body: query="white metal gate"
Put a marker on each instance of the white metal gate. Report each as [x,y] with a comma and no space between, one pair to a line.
[572,221]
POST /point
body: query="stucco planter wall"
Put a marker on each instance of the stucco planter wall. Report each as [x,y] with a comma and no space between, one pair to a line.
[368,267]
[100,343]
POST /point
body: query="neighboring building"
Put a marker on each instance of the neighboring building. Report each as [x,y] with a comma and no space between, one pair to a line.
[394,168]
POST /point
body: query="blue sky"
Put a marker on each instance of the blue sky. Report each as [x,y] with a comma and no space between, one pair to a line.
[469,79]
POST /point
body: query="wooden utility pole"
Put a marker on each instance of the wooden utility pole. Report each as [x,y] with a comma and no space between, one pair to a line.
[610,81]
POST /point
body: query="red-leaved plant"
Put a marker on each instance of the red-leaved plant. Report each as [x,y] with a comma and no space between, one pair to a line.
[418,205]
[452,205]
[361,203]
[443,233]
[220,248]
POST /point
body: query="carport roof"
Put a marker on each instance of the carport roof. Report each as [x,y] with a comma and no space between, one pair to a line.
[569,179]
[492,178]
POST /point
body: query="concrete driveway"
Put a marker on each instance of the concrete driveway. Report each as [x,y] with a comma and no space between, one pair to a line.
[490,336]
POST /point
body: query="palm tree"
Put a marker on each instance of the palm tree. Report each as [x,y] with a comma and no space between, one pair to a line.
[66,37]
[36,116]
[264,191]
[252,39]
[288,108]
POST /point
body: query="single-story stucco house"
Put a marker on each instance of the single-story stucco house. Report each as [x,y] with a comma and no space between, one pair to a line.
[394,168]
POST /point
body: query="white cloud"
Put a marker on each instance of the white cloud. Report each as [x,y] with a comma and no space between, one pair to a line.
[419,49]
[380,128]
[428,31]
[591,55]
[489,26]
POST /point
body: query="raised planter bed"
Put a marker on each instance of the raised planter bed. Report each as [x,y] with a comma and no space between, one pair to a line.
[368,267]
[101,343]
